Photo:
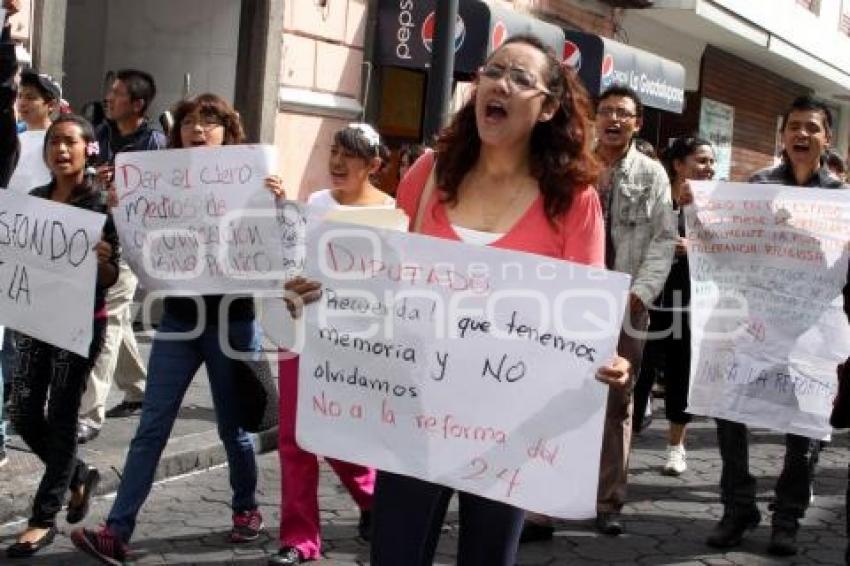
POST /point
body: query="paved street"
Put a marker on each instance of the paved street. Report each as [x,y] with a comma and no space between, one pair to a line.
[186,519]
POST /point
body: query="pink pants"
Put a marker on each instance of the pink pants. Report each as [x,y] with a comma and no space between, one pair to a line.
[299,475]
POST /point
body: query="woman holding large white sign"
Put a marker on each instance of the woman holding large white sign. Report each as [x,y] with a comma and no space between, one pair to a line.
[50,377]
[514,171]
[357,154]
[187,337]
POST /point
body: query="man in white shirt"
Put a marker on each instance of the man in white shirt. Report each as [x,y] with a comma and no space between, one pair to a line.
[38,102]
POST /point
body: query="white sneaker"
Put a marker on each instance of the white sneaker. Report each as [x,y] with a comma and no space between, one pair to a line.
[676,464]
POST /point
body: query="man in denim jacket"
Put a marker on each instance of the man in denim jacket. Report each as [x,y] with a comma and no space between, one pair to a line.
[640,238]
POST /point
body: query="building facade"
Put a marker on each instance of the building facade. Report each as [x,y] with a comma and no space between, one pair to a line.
[298,70]
[749,59]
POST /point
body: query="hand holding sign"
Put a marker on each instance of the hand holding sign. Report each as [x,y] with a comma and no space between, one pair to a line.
[616,373]
[300,292]
[104,252]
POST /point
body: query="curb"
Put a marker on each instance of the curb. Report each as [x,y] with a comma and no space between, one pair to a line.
[182,456]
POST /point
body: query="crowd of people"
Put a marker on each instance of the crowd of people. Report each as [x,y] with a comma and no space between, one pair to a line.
[528,163]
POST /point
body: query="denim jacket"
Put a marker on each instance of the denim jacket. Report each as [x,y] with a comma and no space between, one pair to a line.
[641,222]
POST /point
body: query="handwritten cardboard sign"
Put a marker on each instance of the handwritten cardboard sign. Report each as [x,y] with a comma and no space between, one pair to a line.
[468,366]
[48,269]
[767,267]
[200,220]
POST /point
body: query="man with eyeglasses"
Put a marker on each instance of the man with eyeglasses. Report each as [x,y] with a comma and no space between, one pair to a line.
[640,239]
[126,129]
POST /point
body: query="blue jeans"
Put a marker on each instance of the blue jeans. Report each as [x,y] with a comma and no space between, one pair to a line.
[172,366]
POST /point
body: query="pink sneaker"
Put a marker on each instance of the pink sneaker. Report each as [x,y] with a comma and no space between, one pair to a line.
[246,526]
[101,544]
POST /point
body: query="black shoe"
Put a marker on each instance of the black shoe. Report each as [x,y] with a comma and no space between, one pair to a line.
[609,524]
[4,459]
[25,549]
[287,556]
[86,433]
[364,526]
[77,513]
[124,409]
[536,532]
[783,537]
[731,528]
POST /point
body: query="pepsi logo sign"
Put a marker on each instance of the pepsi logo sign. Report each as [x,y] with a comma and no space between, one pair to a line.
[428,29]
[607,74]
[572,55]
[500,34]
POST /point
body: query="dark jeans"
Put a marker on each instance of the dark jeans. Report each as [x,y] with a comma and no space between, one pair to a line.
[408,513]
[671,356]
[793,488]
[45,374]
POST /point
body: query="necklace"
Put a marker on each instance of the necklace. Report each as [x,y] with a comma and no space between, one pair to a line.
[493,211]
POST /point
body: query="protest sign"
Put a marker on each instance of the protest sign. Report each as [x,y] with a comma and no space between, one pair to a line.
[48,269]
[467,366]
[200,220]
[272,314]
[767,266]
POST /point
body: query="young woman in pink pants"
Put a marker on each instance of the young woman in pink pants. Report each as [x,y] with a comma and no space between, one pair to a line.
[356,155]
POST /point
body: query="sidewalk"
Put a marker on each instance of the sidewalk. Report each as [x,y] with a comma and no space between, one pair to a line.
[194,445]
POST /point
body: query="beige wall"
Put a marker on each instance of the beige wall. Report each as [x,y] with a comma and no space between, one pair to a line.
[322,64]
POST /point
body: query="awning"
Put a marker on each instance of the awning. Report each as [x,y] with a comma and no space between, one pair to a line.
[406,30]
[602,62]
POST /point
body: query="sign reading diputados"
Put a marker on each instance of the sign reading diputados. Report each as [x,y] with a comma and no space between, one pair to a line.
[767,266]
[46,258]
[467,366]
[201,220]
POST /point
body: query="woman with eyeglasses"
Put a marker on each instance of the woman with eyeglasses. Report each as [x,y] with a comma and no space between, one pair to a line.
[204,121]
[513,171]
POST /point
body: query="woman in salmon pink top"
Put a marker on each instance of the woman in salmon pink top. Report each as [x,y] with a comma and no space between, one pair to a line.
[513,170]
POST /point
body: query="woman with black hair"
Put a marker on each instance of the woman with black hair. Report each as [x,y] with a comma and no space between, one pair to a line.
[52,377]
[357,154]
[688,157]
[407,156]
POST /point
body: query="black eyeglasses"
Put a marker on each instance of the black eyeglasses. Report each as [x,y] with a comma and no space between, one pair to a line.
[615,113]
[520,78]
